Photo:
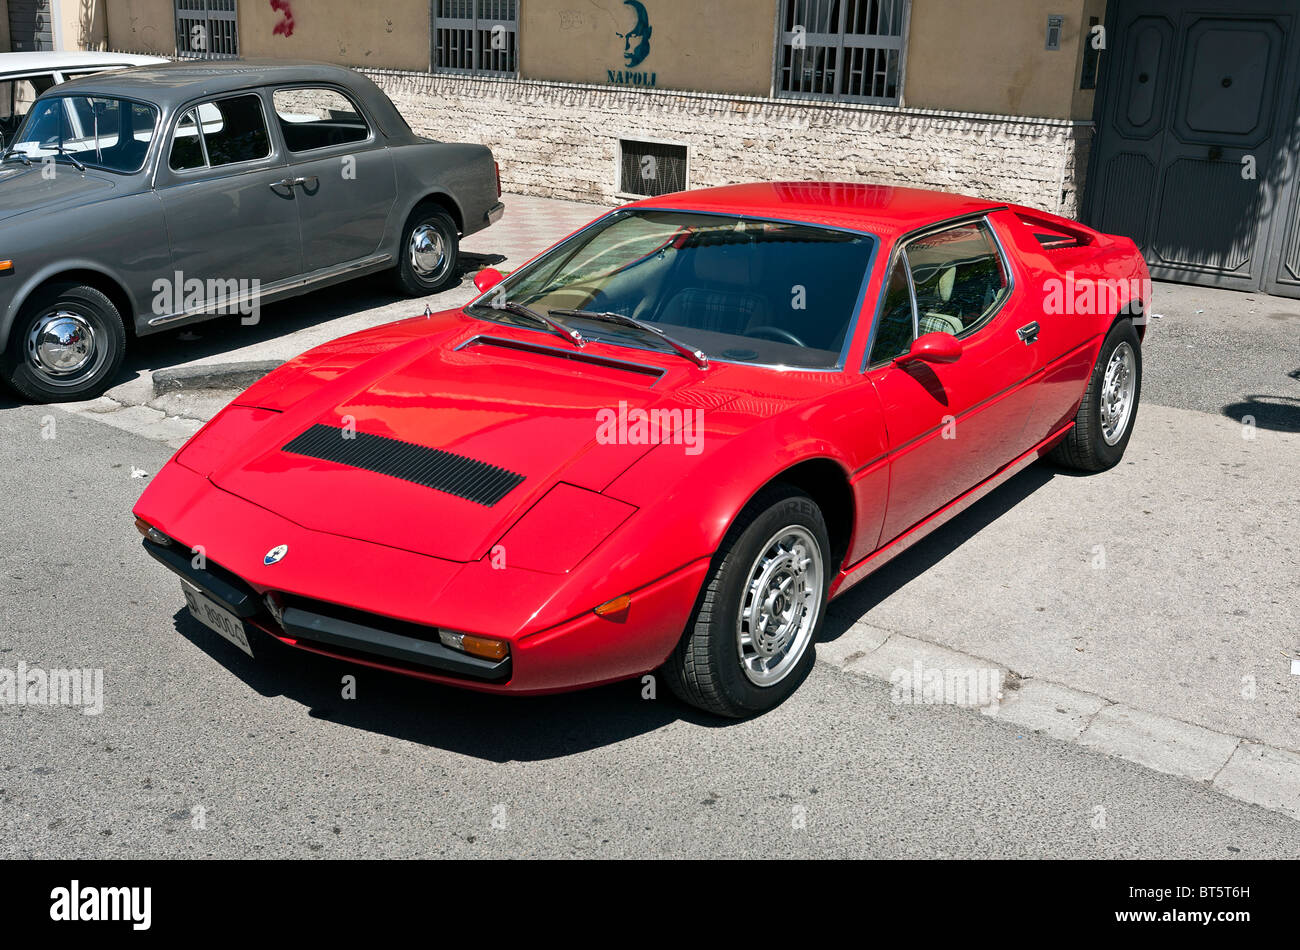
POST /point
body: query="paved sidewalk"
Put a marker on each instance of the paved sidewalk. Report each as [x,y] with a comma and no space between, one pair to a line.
[1149,612]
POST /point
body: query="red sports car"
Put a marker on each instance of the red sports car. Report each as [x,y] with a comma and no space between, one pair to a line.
[665,442]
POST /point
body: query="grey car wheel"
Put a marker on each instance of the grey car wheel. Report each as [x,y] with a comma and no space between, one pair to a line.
[429,253]
[67,344]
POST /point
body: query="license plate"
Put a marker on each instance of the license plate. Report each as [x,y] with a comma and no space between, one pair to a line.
[211,614]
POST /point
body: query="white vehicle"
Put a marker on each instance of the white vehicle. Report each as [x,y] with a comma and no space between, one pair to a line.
[24,76]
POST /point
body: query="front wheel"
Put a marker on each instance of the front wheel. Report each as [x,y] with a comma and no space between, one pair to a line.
[1106,415]
[749,642]
[67,344]
[429,253]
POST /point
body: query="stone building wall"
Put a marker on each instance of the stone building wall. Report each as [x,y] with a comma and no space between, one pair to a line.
[562,140]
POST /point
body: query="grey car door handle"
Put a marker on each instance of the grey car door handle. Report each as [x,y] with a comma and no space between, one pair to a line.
[309,182]
[1028,333]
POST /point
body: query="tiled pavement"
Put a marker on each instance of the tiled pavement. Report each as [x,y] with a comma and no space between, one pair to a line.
[530,224]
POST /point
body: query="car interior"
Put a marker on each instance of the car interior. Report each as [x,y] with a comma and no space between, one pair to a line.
[750,290]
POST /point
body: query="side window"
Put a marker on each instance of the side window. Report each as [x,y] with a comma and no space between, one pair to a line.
[233,130]
[894,329]
[187,150]
[312,118]
[958,277]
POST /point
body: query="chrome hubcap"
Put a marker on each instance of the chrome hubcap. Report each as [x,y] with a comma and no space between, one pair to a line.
[1117,390]
[780,606]
[428,251]
[62,344]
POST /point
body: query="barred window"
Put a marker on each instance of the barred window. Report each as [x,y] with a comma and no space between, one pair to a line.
[206,29]
[850,50]
[476,36]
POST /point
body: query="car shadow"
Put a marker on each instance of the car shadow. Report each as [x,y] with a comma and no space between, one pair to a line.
[196,341]
[926,553]
[493,727]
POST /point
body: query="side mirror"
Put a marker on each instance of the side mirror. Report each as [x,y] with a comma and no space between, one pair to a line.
[932,348]
[488,278]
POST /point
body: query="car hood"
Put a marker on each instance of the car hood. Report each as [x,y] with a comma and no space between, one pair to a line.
[24,189]
[494,419]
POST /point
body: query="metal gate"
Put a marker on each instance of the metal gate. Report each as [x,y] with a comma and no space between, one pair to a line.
[29,26]
[206,29]
[1197,140]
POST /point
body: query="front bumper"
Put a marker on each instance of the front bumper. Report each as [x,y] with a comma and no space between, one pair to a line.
[329,629]
[381,607]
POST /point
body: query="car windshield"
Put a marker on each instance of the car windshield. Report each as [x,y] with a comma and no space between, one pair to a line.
[99,131]
[739,289]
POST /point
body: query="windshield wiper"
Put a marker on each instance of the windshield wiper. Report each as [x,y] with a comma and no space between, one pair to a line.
[684,349]
[555,326]
[70,157]
[16,153]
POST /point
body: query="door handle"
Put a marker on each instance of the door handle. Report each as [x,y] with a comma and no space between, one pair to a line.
[309,181]
[282,183]
[1028,333]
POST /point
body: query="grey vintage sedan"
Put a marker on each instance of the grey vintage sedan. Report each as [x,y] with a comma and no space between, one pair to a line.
[167,194]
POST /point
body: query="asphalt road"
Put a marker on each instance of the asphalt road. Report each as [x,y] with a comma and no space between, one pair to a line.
[269,760]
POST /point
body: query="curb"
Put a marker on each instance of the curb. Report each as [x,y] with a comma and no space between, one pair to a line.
[1233,766]
[237,376]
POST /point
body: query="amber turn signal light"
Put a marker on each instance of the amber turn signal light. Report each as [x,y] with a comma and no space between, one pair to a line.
[616,606]
[485,647]
[489,648]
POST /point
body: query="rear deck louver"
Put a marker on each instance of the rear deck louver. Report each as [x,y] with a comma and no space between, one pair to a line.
[442,471]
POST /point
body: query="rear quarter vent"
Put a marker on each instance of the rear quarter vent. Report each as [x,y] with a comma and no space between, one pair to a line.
[1057,233]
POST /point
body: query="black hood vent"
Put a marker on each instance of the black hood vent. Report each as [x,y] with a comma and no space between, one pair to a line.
[442,471]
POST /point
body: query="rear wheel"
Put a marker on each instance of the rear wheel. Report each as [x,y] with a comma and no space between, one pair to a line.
[67,344]
[429,253]
[748,645]
[1106,415]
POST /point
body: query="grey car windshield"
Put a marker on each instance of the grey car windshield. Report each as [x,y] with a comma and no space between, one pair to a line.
[99,131]
[740,289]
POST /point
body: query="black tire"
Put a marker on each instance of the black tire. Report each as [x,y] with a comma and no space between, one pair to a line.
[21,370]
[1085,447]
[705,669]
[416,283]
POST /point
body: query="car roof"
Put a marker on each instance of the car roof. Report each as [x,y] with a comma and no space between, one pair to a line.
[884,210]
[45,61]
[170,83]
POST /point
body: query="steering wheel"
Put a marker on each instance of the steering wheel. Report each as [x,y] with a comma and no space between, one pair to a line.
[782,335]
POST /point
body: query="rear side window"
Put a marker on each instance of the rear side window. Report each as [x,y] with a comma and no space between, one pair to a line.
[221,132]
[313,117]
